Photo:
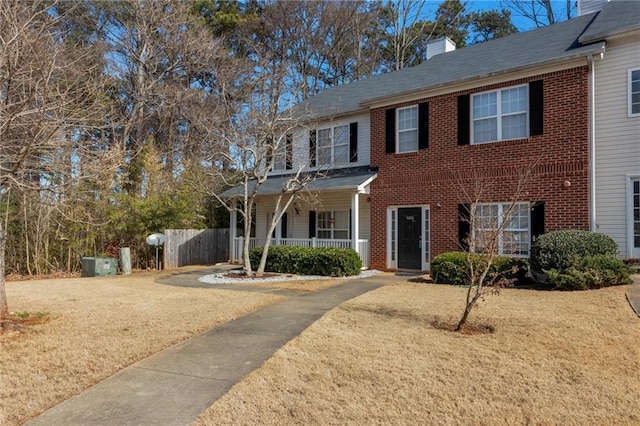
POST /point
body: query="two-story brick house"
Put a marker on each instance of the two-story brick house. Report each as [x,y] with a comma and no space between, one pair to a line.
[411,151]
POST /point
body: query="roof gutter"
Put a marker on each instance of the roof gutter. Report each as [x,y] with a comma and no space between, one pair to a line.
[419,92]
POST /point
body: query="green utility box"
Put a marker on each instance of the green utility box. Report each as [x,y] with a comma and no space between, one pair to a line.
[99,266]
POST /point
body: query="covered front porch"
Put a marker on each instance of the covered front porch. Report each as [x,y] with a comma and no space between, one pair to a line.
[333,211]
[362,246]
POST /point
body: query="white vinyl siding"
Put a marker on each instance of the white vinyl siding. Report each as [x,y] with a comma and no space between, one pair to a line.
[617,143]
[298,224]
[500,115]
[300,151]
[634,92]
[407,130]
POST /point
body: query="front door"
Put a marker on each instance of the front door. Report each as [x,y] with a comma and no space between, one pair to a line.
[410,238]
[635,218]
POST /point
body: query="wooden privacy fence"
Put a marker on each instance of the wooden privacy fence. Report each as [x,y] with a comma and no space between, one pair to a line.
[195,247]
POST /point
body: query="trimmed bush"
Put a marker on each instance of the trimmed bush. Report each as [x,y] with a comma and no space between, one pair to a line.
[555,250]
[324,261]
[453,267]
[589,272]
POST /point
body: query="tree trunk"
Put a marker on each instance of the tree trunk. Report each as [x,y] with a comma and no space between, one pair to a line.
[4,309]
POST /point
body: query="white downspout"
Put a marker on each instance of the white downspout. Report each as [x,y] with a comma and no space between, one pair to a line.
[592,144]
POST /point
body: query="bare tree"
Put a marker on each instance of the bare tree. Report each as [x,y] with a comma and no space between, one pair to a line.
[406,32]
[487,236]
[49,99]
[324,42]
[541,12]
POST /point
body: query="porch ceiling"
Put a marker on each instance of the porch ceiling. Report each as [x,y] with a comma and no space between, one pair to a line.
[333,180]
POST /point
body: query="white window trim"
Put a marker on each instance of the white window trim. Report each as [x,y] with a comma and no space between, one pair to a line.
[500,219]
[332,140]
[332,228]
[280,151]
[499,114]
[392,211]
[629,105]
[407,130]
[630,178]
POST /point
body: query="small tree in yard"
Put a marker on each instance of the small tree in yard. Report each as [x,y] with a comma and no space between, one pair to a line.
[486,237]
[253,136]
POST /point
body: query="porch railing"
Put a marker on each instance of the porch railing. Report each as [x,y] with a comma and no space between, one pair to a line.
[363,246]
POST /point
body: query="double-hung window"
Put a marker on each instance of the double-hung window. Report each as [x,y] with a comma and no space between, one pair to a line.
[333,225]
[280,159]
[407,120]
[500,115]
[503,228]
[333,145]
[634,92]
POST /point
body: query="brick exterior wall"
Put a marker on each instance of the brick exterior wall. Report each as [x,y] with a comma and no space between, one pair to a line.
[443,172]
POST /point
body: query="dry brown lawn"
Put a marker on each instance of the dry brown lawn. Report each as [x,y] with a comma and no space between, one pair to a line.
[98,326]
[570,358]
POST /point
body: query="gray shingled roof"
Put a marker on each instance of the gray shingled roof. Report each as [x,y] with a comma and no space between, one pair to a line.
[616,17]
[336,179]
[554,43]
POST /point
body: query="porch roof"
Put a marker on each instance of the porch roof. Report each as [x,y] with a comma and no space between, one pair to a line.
[355,179]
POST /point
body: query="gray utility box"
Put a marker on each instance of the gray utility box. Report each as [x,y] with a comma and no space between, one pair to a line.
[99,266]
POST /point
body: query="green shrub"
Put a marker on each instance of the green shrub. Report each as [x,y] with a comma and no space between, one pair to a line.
[325,261]
[555,250]
[589,272]
[453,267]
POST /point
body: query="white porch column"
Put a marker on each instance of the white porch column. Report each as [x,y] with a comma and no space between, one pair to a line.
[355,221]
[233,226]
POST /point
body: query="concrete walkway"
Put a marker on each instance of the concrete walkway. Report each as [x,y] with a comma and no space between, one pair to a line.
[633,293]
[174,386]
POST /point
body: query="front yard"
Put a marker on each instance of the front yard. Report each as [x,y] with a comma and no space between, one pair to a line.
[96,327]
[554,357]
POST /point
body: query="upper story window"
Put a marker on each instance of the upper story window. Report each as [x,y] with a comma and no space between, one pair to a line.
[336,145]
[634,92]
[282,159]
[333,145]
[407,129]
[500,115]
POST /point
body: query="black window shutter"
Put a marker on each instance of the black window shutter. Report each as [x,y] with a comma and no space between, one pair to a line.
[289,152]
[423,125]
[464,115]
[537,220]
[283,225]
[269,146]
[391,130]
[353,142]
[312,224]
[269,219]
[536,105]
[350,226]
[312,148]
[464,226]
